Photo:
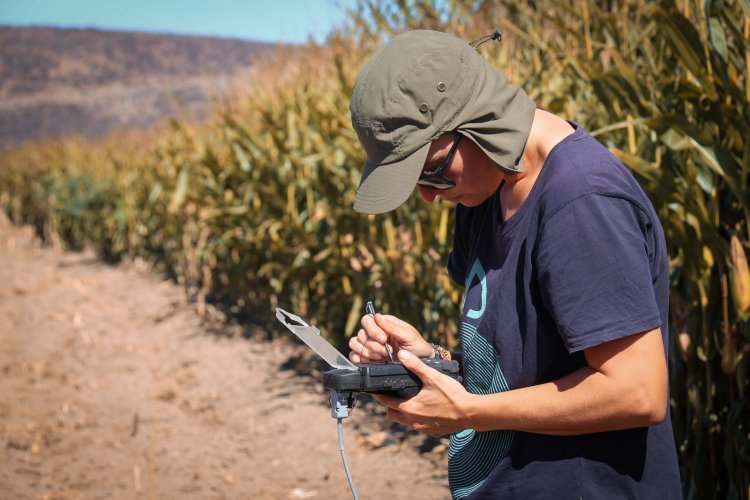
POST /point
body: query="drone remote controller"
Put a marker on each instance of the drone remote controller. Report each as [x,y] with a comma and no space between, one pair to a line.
[345,376]
[385,377]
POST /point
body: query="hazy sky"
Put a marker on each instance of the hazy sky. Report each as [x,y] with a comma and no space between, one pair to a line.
[266,20]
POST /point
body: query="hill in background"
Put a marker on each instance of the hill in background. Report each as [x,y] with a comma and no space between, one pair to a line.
[57,82]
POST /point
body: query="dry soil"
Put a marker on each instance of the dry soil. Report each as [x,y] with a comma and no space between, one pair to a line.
[112,385]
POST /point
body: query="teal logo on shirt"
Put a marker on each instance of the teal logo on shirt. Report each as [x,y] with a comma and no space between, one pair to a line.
[477,272]
[472,455]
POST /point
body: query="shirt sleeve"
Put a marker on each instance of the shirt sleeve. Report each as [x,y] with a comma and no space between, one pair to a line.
[594,272]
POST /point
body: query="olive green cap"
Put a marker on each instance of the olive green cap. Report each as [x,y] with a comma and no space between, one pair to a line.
[418,86]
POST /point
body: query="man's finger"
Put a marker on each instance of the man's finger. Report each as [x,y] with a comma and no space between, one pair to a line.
[373,329]
[387,401]
[400,332]
[414,364]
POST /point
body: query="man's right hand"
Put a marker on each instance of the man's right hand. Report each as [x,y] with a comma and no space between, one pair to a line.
[369,343]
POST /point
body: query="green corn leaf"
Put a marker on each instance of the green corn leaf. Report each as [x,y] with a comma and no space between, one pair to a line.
[178,197]
[241,157]
[718,39]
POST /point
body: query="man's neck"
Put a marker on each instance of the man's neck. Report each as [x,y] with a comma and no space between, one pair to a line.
[547,130]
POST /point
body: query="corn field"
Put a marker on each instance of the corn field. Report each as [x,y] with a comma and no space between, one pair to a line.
[254,209]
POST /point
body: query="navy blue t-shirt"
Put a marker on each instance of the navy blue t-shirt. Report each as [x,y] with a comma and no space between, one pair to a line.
[582,262]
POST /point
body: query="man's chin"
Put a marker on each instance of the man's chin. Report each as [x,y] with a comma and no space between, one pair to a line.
[470,202]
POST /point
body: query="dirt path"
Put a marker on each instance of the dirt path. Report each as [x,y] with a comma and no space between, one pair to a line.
[111,386]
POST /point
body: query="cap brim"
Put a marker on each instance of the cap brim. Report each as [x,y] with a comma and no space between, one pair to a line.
[386,187]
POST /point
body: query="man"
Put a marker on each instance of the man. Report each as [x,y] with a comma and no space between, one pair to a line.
[565,318]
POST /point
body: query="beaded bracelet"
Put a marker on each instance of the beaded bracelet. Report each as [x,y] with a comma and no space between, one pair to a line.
[440,353]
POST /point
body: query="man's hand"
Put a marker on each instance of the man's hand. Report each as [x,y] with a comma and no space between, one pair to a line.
[437,410]
[369,343]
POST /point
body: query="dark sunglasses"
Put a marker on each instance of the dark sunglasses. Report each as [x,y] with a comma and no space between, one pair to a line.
[435,179]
